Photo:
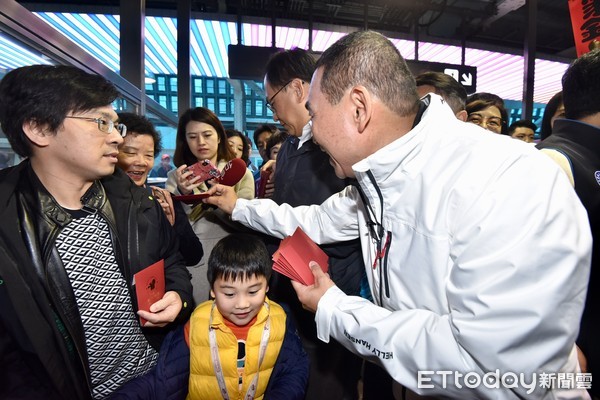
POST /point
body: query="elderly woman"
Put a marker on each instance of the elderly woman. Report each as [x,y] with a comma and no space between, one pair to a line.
[136,158]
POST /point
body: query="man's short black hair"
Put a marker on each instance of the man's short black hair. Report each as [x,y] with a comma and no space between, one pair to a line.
[522,123]
[46,94]
[581,86]
[239,257]
[446,86]
[264,128]
[287,65]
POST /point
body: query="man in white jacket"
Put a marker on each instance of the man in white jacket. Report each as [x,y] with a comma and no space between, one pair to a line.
[478,270]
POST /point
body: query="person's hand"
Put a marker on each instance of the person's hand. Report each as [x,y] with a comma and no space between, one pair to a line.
[269,166]
[166,202]
[163,311]
[223,197]
[309,296]
[270,185]
[186,181]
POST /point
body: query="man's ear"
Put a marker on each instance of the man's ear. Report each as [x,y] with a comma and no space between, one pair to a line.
[212,294]
[362,107]
[462,115]
[37,133]
[300,90]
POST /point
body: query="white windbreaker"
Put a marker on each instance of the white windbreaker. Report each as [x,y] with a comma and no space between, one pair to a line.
[483,268]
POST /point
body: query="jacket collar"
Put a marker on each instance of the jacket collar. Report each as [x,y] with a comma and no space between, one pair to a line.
[403,152]
[92,200]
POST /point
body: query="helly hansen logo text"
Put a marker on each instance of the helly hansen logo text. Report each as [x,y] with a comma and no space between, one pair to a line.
[384,355]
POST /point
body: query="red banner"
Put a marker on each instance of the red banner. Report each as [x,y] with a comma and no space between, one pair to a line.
[585,18]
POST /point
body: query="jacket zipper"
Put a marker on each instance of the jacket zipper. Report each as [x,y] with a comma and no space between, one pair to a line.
[388,244]
[378,232]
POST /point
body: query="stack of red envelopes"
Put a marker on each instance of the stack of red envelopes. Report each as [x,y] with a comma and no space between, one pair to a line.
[294,254]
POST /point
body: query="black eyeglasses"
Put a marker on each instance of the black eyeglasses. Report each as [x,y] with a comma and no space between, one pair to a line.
[269,102]
[104,125]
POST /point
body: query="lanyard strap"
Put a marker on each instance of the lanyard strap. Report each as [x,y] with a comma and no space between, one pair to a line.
[214,352]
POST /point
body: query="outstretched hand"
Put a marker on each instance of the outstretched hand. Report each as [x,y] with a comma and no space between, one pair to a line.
[309,296]
[223,197]
[163,311]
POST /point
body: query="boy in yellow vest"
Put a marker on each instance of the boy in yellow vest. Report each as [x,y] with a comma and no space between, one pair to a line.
[240,345]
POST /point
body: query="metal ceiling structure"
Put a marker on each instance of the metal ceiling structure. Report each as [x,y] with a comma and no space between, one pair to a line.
[478,22]
[492,33]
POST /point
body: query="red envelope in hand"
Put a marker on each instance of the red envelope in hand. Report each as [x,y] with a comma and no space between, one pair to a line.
[149,286]
[264,178]
[293,255]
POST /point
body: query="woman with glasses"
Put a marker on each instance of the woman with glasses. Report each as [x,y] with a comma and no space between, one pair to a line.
[201,136]
[487,110]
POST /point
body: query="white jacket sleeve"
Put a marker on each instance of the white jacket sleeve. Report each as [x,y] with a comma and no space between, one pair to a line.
[335,220]
[514,291]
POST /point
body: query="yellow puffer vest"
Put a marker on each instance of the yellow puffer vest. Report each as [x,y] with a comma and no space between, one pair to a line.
[203,383]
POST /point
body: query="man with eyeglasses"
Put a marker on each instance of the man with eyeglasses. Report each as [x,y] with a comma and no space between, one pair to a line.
[74,232]
[303,176]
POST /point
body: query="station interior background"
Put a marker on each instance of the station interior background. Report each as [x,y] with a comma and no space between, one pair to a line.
[510,42]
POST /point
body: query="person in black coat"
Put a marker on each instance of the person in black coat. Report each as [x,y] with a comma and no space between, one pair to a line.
[136,158]
[74,233]
[575,145]
[304,176]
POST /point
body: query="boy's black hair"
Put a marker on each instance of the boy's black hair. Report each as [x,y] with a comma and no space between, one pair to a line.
[239,256]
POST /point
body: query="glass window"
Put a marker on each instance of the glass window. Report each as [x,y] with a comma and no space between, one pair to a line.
[162,100]
[258,104]
[248,107]
[210,86]
[222,86]
[198,102]
[173,82]
[174,104]
[197,85]
[161,83]
[210,103]
[223,106]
